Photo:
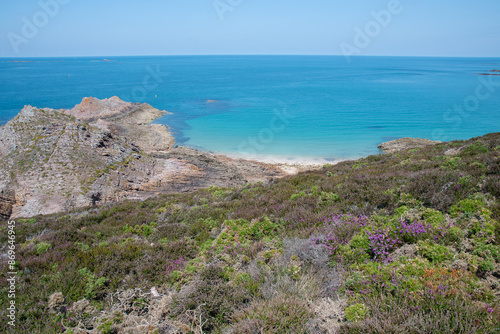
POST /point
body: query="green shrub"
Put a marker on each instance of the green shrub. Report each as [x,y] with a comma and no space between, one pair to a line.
[356,312]
[43,247]
[487,250]
[469,206]
[486,265]
[211,297]
[93,284]
[261,228]
[452,163]
[409,201]
[298,195]
[482,230]
[327,198]
[475,149]
[433,217]
[143,230]
[359,165]
[28,221]
[246,282]
[434,252]
[81,246]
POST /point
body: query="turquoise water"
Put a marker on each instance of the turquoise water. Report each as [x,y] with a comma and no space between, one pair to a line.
[304,107]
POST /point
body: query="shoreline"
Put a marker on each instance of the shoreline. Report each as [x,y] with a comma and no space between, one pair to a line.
[107,151]
[294,161]
[275,159]
[290,165]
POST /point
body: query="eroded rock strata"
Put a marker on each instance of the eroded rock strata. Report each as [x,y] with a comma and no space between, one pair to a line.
[99,152]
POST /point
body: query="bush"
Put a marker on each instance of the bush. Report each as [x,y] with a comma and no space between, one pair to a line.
[468,206]
[389,314]
[475,149]
[356,312]
[280,315]
[212,297]
[93,283]
[43,247]
[434,252]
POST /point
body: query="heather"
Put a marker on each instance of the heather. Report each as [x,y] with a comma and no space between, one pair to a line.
[407,242]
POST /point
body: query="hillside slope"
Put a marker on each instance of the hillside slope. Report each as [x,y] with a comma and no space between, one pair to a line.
[407,242]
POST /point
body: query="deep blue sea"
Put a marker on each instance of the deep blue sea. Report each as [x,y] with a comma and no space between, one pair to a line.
[301,107]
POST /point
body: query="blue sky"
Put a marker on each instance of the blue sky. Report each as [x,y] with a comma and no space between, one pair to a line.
[172,27]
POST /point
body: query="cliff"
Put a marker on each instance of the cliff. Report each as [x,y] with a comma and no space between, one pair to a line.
[102,151]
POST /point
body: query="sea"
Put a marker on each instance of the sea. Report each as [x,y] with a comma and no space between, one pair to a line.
[312,109]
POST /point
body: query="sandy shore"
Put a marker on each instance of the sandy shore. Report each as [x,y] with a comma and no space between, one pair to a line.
[290,165]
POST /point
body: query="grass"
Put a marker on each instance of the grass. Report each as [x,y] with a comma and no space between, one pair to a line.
[410,240]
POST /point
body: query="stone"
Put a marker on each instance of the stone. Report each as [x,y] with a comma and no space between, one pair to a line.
[408,251]
[56,302]
[82,306]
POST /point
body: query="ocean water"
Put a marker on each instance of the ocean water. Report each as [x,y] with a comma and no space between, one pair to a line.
[281,108]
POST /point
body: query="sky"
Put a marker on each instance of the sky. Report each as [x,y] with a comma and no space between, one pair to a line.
[59,28]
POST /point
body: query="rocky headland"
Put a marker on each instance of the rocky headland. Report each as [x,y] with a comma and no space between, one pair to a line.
[103,151]
[125,119]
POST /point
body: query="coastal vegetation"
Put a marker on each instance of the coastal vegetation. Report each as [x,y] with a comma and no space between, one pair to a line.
[406,242]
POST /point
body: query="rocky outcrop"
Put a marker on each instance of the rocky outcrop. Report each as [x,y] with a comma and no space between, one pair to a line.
[7,201]
[129,120]
[57,160]
[405,143]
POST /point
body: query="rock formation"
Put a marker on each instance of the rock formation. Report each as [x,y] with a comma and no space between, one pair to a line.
[129,120]
[99,152]
[404,144]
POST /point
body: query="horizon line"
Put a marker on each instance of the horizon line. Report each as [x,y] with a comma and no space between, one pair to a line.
[245,55]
